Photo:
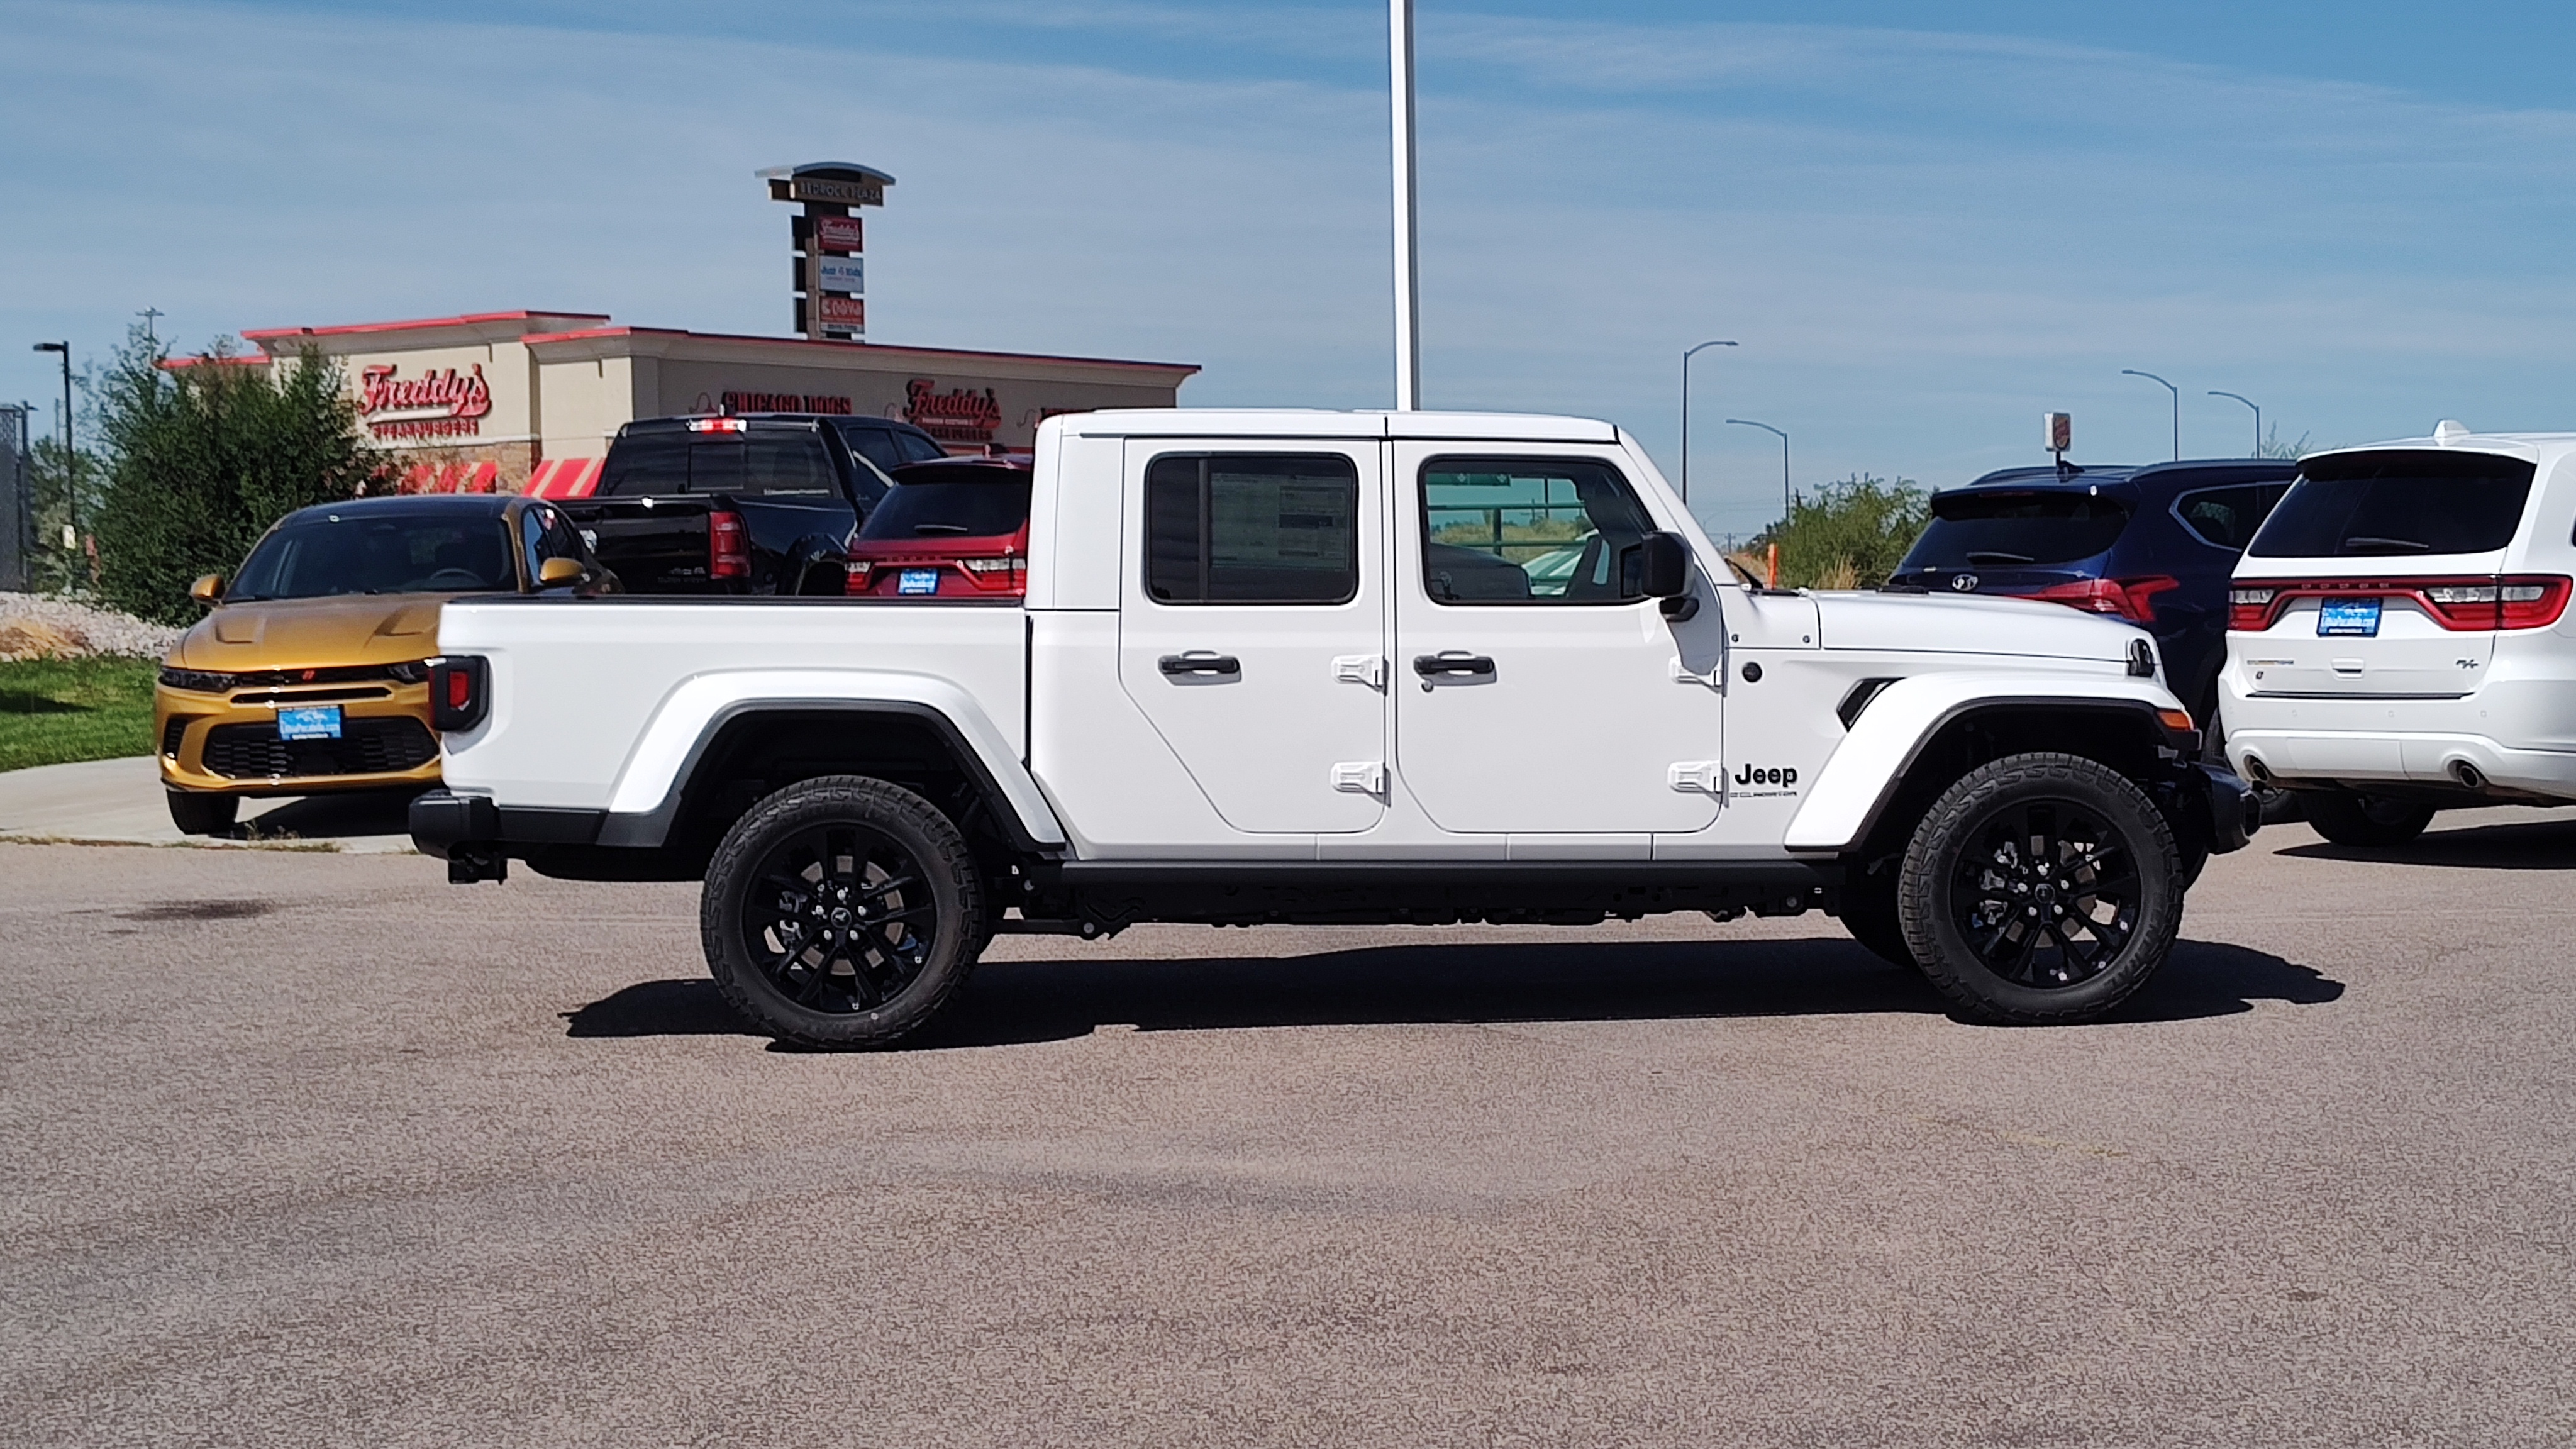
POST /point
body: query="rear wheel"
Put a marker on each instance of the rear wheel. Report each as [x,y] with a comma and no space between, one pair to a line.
[197,814]
[842,912]
[2350,819]
[2041,888]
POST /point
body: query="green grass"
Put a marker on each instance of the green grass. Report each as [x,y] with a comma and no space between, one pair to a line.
[55,711]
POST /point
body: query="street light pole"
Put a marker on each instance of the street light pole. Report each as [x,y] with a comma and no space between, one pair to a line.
[2258,418]
[1784,460]
[71,459]
[2177,404]
[1686,357]
[1408,310]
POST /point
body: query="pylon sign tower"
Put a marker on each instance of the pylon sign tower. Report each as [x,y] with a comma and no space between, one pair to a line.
[831,260]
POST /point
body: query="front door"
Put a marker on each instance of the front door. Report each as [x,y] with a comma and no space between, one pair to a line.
[1537,691]
[1253,628]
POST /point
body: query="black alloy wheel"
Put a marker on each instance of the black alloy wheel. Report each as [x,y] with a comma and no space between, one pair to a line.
[840,918]
[2048,893]
[2041,888]
[842,912]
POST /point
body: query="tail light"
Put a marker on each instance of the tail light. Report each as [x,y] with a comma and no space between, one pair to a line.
[1011,571]
[460,688]
[728,546]
[2130,599]
[2508,601]
[718,425]
[858,576]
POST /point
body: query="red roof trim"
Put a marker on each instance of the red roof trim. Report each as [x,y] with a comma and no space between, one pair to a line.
[419,324]
[847,348]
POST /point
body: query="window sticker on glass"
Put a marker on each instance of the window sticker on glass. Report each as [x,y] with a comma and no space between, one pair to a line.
[917,581]
[2349,616]
[309,722]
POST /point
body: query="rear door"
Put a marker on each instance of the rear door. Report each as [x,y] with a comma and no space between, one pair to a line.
[1536,691]
[1252,632]
[2380,574]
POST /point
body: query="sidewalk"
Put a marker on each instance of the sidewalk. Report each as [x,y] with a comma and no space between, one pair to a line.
[119,801]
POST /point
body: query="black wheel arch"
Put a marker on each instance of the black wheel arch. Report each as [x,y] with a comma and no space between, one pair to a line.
[2124,735]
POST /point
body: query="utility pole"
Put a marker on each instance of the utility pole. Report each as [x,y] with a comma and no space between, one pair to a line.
[2177,404]
[1686,357]
[71,459]
[150,316]
[1408,308]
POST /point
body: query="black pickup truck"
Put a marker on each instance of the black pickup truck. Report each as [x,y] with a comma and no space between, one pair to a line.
[760,503]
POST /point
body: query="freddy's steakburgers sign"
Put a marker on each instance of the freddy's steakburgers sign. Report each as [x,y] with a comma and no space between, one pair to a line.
[437,404]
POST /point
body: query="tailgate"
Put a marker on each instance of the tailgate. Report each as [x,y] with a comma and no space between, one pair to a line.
[655,545]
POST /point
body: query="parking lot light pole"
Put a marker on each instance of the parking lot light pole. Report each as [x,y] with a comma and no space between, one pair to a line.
[1784,461]
[2258,418]
[2177,404]
[1686,357]
[1408,305]
[71,460]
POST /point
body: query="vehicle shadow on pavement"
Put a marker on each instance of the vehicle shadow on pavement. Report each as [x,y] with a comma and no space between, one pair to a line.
[2539,845]
[332,817]
[1018,1002]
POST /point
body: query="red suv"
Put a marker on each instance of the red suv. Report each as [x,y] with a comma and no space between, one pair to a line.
[957,528]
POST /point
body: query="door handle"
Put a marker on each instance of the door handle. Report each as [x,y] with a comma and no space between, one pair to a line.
[1200,662]
[1428,665]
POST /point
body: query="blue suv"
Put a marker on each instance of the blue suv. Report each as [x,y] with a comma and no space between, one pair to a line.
[2153,545]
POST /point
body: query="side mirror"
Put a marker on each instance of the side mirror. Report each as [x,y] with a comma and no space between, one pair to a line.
[556,573]
[1666,571]
[209,589]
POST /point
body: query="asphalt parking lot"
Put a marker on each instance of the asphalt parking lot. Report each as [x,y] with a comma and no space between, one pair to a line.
[305,1148]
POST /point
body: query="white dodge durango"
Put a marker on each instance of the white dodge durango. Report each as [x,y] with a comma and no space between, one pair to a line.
[2398,636]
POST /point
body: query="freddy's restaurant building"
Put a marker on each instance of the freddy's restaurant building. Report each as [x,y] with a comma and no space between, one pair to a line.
[527,401]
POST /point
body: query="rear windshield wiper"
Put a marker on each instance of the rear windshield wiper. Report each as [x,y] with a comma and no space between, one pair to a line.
[920,528]
[2387,545]
[1988,556]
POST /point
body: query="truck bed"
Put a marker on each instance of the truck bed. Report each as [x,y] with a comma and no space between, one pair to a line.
[639,679]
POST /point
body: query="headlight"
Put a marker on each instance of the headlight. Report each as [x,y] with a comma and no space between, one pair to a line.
[413,672]
[200,680]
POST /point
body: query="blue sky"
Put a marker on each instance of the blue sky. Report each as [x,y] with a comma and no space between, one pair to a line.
[1925,224]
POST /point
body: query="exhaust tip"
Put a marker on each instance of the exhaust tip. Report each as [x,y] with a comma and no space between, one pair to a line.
[2468,775]
[2254,770]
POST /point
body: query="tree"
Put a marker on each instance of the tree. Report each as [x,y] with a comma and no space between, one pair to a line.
[199,459]
[1849,535]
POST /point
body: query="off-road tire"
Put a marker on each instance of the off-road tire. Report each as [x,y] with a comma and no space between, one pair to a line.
[954,890]
[201,814]
[1869,912]
[1934,894]
[2365,820]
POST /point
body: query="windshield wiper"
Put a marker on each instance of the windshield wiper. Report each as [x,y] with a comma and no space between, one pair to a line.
[1989,556]
[920,528]
[2387,545]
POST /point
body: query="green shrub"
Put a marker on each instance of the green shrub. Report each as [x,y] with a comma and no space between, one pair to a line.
[202,459]
[1848,535]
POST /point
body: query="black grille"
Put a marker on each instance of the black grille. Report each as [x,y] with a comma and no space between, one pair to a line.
[171,732]
[339,674]
[365,747]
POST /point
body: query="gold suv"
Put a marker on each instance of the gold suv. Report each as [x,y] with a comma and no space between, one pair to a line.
[311,673]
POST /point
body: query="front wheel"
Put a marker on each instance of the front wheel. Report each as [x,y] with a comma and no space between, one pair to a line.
[2366,820]
[842,912]
[2041,889]
[199,814]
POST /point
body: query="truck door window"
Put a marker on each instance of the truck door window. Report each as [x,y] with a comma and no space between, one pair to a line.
[1530,531]
[1251,528]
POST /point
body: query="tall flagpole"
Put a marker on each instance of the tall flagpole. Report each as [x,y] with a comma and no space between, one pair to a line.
[1408,310]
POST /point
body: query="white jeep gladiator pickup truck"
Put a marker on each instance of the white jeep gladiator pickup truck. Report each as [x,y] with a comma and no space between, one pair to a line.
[1336,667]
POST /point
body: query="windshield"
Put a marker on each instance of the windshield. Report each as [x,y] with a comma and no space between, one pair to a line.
[981,508]
[2007,530]
[2396,503]
[314,556]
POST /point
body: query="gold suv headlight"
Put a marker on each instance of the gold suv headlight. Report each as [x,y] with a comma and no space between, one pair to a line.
[201,680]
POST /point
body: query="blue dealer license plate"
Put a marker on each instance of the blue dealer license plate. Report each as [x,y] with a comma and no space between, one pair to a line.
[309,722]
[917,581]
[2349,616]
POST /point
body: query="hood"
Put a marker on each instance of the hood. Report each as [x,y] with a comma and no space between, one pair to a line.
[313,633]
[1952,623]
